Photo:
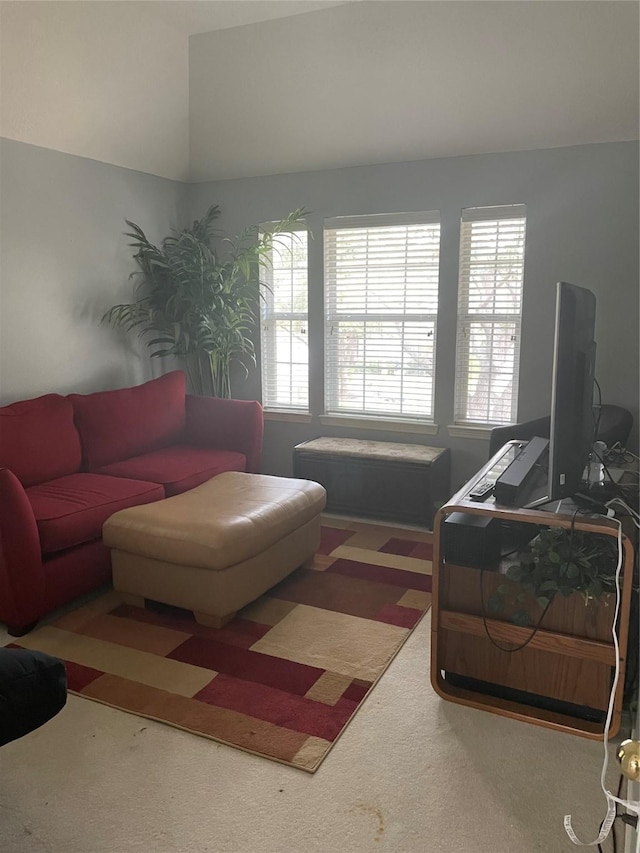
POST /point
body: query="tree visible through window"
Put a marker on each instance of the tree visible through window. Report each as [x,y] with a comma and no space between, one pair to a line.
[489,314]
[284,341]
[381,305]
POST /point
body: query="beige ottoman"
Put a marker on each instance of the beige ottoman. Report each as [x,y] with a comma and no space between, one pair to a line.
[217,547]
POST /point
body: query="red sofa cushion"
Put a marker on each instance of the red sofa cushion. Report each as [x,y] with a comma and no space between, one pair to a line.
[72,510]
[38,439]
[116,425]
[21,595]
[75,572]
[178,468]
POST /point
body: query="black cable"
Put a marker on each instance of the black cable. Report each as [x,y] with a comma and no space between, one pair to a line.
[597,430]
[600,459]
[486,627]
[542,615]
[596,420]
[619,454]
[573,530]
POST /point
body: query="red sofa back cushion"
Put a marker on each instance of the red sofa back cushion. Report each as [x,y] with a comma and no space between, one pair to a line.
[116,425]
[38,439]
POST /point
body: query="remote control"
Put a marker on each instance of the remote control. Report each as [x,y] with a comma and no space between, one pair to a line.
[482,491]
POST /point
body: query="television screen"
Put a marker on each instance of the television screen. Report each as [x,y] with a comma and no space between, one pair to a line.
[573,423]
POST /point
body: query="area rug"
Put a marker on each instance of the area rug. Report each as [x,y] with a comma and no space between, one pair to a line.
[284,678]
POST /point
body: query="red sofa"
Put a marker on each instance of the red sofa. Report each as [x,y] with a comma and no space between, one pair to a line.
[68,463]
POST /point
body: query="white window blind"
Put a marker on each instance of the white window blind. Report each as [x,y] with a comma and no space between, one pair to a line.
[381,304]
[284,339]
[490,283]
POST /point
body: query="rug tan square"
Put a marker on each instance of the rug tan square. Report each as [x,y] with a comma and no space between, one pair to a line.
[283,679]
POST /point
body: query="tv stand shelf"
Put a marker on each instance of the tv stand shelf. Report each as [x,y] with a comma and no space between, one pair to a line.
[562,678]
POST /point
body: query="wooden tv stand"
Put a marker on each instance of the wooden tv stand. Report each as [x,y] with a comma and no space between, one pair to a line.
[562,678]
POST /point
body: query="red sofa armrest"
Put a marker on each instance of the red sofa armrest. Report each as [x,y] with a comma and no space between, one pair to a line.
[227,425]
[21,573]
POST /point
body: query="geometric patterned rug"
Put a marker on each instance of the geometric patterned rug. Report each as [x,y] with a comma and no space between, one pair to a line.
[283,678]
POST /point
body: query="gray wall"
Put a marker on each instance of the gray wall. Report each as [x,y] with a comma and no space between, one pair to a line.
[64,260]
[582,227]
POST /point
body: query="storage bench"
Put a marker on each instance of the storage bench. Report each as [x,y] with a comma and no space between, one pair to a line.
[377,479]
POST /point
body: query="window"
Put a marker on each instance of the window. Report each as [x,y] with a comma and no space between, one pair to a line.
[381,304]
[489,314]
[284,325]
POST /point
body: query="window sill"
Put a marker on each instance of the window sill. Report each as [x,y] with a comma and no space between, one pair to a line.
[468,431]
[290,417]
[351,421]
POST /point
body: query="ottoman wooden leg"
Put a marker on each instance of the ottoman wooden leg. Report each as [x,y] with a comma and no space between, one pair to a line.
[213,621]
[131,599]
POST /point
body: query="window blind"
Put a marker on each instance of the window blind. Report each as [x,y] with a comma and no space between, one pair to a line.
[381,304]
[284,339]
[491,274]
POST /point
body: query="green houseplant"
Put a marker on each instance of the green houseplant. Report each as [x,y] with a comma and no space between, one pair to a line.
[556,561]
[196,301]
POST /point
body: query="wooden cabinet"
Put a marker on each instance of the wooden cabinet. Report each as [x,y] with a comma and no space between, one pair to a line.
[562,677]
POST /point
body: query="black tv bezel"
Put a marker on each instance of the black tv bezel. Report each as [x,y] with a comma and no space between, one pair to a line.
[573,427]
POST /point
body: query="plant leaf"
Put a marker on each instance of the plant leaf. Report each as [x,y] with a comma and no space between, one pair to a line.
[495,603]
[521,618]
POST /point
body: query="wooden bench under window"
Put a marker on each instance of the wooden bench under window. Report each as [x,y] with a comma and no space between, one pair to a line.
[377,479]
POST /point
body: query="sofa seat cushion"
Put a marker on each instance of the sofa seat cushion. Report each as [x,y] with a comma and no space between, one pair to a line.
[178,468]
[72,509]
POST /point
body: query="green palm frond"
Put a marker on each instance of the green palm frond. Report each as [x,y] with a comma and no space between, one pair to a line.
[192,303]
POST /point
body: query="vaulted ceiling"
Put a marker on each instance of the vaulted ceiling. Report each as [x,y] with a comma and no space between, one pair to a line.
[213,89]
[203,16]
[373,82]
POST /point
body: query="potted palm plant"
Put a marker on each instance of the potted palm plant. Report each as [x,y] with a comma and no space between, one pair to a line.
[198,302]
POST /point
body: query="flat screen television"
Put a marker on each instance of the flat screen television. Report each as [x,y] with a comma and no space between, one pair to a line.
[573,425]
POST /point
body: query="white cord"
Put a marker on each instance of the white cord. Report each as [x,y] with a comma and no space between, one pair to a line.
[612,800]
[635,518]
[632,513]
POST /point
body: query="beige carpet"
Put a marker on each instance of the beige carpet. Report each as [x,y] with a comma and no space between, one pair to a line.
[411,774]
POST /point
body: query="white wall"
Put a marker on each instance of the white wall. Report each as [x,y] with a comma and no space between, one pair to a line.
[98,79]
